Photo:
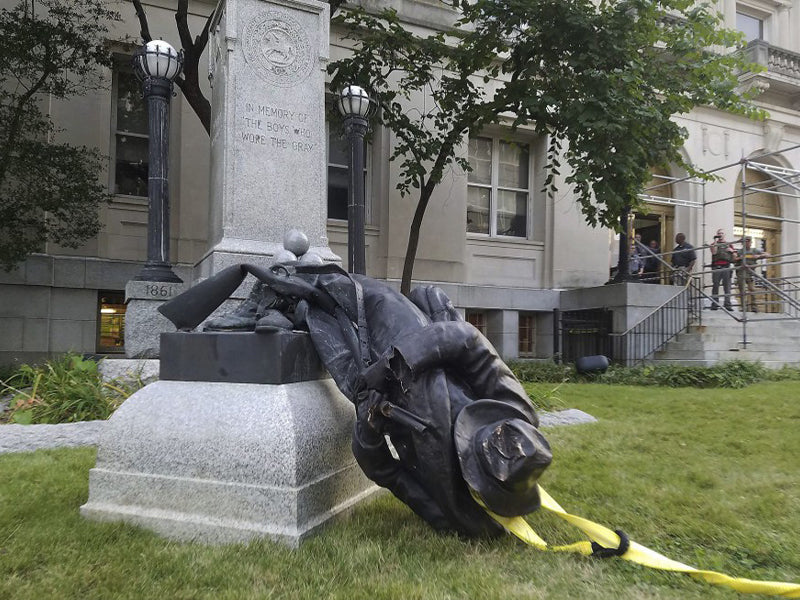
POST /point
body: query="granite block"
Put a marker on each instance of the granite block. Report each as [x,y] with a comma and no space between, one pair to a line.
[69,272]
[74,304]
[67,336]
[11,329]
[240,357]
[110,275]
[24,301]
[39,270]
[15,276]
[143,328]
[228,462]
[35,335]
[123,368]
[143,323]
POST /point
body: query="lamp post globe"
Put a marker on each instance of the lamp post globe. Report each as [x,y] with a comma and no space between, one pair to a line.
[356,106]
[156,65]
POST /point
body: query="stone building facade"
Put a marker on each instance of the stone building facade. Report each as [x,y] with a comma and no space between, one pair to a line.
[506,267]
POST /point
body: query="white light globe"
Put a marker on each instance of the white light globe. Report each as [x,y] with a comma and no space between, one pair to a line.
[159,59]
[354,100]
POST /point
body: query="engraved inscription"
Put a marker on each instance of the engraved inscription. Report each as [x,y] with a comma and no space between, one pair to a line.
[276,127]
[278,48]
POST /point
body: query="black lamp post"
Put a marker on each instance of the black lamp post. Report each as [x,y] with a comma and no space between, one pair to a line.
[356,106]
[156,65]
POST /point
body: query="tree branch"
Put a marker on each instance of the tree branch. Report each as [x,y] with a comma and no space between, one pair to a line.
[142,16]
[181,20]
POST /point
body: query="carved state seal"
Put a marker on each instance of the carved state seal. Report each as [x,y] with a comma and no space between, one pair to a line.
[278,49]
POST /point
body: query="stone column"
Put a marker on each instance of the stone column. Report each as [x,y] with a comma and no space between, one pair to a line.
[502,329]
[268,170]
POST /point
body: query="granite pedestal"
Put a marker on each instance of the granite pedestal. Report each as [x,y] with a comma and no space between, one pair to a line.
[224,461]
[143,323]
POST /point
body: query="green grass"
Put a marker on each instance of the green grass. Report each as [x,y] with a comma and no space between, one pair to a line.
[707,477]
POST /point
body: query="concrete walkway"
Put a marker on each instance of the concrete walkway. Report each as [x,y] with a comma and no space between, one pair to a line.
[27,438]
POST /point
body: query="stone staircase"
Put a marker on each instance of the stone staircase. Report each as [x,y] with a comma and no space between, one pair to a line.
[719,338]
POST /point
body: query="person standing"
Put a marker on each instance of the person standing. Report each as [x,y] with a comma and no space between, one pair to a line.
[745,279]
[722,257]
[635,263]
[683,259]
[652,266]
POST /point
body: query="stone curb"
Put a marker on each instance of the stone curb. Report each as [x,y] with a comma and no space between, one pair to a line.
[27,438]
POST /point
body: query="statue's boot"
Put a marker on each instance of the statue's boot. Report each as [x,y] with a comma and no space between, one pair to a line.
[244,317]
[273,320]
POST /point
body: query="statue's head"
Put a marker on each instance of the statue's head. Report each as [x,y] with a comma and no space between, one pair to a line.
[502,455]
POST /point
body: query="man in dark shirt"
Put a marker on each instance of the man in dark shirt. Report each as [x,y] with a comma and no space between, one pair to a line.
[722,257]
[683,259]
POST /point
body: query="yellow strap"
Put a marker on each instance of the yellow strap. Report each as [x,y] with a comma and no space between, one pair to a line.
[636,552]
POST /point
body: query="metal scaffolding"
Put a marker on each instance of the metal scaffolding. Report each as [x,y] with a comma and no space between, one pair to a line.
[769,297]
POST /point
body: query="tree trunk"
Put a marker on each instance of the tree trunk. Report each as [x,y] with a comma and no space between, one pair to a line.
[623,263]
[413,238]
[191,91]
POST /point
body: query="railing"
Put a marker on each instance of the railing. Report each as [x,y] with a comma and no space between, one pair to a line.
[777,60]
[769,297]
[582,333]
[653,332]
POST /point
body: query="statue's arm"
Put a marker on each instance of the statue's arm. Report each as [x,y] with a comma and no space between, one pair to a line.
[380,466]
[456,346]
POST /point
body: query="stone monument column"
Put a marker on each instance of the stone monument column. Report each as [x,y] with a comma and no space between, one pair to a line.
[268,170]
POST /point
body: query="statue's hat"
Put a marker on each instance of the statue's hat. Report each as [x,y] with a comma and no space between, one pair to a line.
[502,456]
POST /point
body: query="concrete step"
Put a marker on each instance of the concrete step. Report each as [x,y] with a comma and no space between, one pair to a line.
[731,342]
[741,354]
[770,364]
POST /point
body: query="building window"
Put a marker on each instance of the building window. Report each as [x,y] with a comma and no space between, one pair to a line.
[497,188]
[339,176]
[129,130]
[527,331]
[752,27]
[110,321]
[477,318]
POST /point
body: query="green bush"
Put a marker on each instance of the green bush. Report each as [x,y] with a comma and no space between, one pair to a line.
[63,390]
[732,374]
[542,371]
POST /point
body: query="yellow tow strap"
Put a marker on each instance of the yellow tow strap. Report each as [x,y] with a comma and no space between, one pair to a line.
[636,552]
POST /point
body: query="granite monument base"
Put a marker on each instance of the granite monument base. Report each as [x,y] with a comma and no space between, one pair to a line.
[228,462]
[143,323]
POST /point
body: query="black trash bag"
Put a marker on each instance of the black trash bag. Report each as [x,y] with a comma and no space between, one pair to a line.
[420,376]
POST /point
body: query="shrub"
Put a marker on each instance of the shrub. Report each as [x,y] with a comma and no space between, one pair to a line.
[732,374]
[64,390]
[541,371]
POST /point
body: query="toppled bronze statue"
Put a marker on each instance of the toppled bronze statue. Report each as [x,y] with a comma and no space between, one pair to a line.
[418,375]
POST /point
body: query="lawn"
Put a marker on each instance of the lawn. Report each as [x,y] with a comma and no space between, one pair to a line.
[707,477]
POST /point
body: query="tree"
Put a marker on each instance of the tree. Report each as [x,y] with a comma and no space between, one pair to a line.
[189,80]
[601,80]
[48,191]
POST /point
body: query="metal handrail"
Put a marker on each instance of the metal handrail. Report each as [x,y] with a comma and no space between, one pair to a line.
[662,324]
[766,284]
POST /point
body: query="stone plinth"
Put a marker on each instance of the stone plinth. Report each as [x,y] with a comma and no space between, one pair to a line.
[268,145]
[143,323]
[246,357]
[228,462]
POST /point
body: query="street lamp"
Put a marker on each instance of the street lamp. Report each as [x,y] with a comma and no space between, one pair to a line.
[156,65]
[356,106]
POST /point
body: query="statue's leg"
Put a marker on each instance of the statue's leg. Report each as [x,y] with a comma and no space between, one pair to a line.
[244,317]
